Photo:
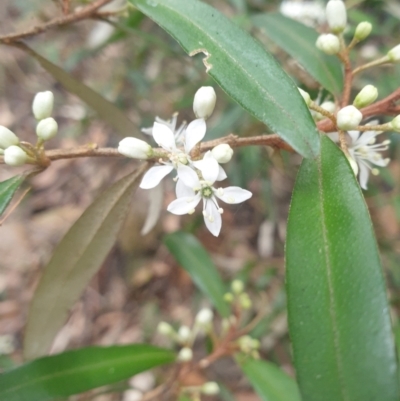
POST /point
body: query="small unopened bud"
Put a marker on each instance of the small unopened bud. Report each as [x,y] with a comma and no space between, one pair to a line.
[184,334]
[15,156]
[204,317]
[47,128]
[363,30]
[366,96]
[305,95]
[165,329]
[42,105]
[329,106]
[222,153]
[7,138]
[348,118]
[228,297]
[185,355]
[245,301]
[394,54]
[336,15]
[237,286]
[328,43]
[395,123]
[210,388]
[204,102]
[135,148]
[353,165]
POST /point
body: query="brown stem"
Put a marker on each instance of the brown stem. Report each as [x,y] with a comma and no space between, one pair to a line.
[348,76]
[65,7]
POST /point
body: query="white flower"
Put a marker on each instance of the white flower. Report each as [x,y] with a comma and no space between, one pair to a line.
[185,354]
[204,317]
[7,138]
[365,152]
[15,156]
[165,138]
[191,189]
[47,128]
[42,105]
[348,117]
[135,148]
[328,43]
[204,102]
[210,388]
[310,13]
[336,15]
[222,153]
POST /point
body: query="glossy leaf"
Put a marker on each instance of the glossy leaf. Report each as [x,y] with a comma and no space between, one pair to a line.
[103,107]
[191,255]
[338,312]
[8,189]
[77,371]
[75,260]
[299,41]
[270,382]
[240,65]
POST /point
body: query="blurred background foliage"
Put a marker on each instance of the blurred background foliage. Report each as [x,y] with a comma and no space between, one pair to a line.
[144,72]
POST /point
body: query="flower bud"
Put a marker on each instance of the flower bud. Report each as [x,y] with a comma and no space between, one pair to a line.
[328,43]
[185,355]
[305,95]
[353,165]
[329,106]
[15,156]
[237,286]
[366,96]
[210,388]
[228,297]
[42,105]
[363,30]
[336,15]
[204,317]
[165,329]
[348,118]
[245,301]
[135,148]
[7,138]
[47,128]
[204,102]
[394,54]
[184,334]
[222,153]
[395,123]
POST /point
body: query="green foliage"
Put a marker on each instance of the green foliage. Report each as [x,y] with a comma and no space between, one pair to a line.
[8,189]
[80,370]
[338,312]
[239,64]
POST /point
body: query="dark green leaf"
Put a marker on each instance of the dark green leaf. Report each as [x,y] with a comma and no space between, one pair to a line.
[76,259]
[338,312]
[77,371]
[191,255]
[299,41]
[241,67]
[270,382]
[8,189]
[104,108]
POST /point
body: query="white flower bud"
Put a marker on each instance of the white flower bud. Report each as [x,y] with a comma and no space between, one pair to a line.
[185,355]
[348,118]
[329,106]
[204,102]
[366,96]
[42,105]
[237,286]
[210,388]
[363,30]
[204,317]
[15,156]
[394,54]
[7,138]
[135,148]
[222,153]
[47,128]
[184,334]
[395,123]
[336,15]
[305,95]
[353,165]
[245,301]
[328,43]
[165,329]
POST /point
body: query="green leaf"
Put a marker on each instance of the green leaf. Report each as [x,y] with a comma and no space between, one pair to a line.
[240,65]
[76,259]
[270,382]
[191,255]
[8,189]
[299,41]
[80,370]
[338,312]
[104,108]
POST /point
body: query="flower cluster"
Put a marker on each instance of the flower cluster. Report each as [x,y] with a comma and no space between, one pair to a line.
[196,177]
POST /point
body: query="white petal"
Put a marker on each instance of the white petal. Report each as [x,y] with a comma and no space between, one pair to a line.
[195,132]
[182,190]
[354,136]
[212,219]
[221,174]
[163,136]
[378,162]
[153,177]
[366,137]
[364,175]
[234,195]
[209,169]
[184,205]
[188,176]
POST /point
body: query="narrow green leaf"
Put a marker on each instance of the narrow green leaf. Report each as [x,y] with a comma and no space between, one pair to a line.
[191,255]
[299,41]
[240,65]
[8,189]
[77,371]
[76,259]
[270,382]
[104,108]
[338,312]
